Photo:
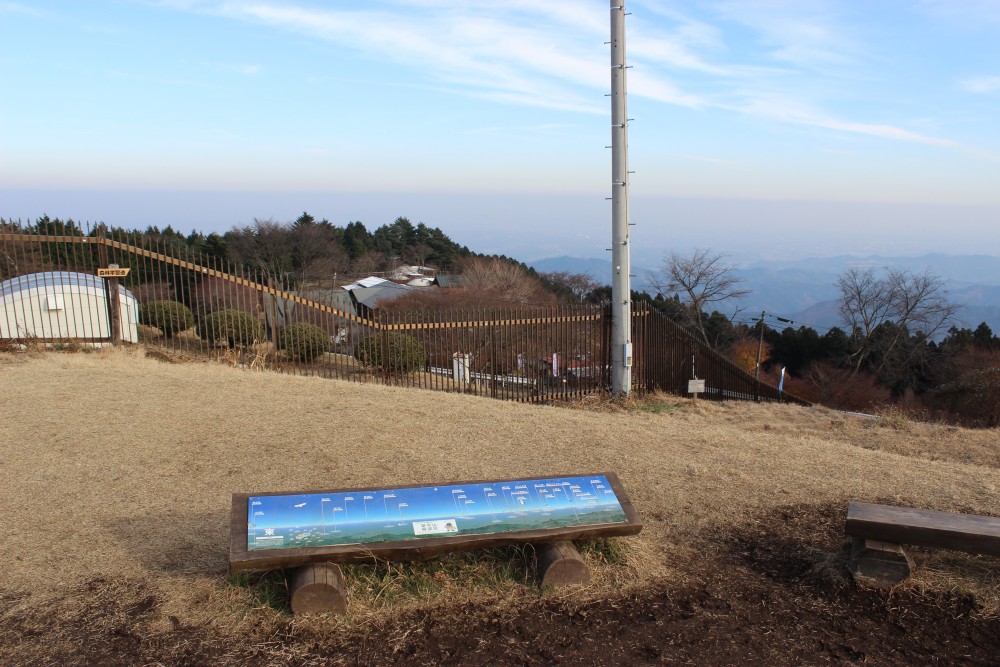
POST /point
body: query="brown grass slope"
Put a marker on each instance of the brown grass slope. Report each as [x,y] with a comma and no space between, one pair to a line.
[118,471]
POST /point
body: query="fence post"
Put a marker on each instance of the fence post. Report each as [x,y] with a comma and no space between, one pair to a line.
[493,354]
[114,308]
[379,316]
[606,347]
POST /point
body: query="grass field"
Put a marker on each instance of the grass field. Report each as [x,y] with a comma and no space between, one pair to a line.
[118,471]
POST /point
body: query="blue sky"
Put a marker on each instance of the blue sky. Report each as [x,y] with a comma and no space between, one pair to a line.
[760,127]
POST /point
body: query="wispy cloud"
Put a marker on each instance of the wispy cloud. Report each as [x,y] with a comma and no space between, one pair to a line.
[504,54]
[973,14]
[807,33]
[981,84]
[23,10]
[548,55]
[231,68]
[798,113]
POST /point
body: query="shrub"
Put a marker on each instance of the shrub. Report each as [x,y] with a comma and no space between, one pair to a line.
[170,317]
[974,397]
[234,327]
[841,388]
[393,351]
[303,341]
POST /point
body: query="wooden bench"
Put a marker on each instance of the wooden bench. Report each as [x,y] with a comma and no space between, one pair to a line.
[309,532]
[879,531]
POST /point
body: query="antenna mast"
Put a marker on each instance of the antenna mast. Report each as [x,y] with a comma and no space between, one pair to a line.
[621,290]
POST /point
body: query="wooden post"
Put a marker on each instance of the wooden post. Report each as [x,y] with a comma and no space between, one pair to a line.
[114,308]
[560,564]
[272,331]
[317,589]
[882,564]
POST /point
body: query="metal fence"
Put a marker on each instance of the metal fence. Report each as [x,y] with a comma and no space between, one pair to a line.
[668,358]
[204,305]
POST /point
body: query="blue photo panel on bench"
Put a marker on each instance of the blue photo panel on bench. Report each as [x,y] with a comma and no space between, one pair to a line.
[393,515]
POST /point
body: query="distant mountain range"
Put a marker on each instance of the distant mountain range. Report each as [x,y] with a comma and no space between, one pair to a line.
[805,291]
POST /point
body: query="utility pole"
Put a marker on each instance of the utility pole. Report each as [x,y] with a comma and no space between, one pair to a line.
[760,345]
[621,290]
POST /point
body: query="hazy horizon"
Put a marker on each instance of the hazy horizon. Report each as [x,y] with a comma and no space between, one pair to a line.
[534,226]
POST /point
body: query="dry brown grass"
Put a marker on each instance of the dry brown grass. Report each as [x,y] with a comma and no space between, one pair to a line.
[121,467]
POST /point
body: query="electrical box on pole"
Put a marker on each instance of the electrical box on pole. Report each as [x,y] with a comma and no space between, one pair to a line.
[621,290]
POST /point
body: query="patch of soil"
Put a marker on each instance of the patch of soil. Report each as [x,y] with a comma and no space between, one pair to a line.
[775,594]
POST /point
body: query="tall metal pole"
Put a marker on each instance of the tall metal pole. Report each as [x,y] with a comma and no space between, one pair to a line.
[760,344]
[621,290]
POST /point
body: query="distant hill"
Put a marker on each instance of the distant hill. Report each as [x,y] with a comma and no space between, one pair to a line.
[599,269]
[806,290]
[969,269]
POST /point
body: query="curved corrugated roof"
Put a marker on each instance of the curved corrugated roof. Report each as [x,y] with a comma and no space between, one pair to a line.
[50,279]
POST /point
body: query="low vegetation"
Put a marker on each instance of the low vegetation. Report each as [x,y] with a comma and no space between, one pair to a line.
[303,341]
[391,350]
[234,328]
[170,317]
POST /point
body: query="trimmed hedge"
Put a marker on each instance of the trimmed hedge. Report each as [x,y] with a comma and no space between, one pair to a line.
[170,317]
[233,327]
[303,341]
[398,353]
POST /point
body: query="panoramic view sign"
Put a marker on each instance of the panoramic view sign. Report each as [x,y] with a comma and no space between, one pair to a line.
[391,515]
[345,523]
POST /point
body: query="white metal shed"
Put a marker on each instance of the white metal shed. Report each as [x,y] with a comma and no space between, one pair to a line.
[63,305]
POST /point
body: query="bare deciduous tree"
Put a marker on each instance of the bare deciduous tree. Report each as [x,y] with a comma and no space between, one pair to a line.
[369,262]
[292,253]
[916,304]
[578,284]
[417,254]
[865,300]
[499,279]
[702,279]
[316,252]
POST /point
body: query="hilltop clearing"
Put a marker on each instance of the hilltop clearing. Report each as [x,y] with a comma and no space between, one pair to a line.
[118,473]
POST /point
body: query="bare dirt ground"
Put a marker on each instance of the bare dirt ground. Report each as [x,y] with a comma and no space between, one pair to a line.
[118,472]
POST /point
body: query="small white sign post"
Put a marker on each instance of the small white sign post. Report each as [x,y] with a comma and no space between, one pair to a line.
[696,387]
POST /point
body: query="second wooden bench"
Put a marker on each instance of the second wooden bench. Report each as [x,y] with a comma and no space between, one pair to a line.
[880,531]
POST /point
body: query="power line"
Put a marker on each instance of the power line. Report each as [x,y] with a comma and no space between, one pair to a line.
[818,329]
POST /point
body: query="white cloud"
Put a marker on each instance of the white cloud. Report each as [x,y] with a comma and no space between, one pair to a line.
[967,13]
[981,84]
[670,53]
[642,84]
[23,10]
[549,55]
[797,113]
[486,54]
[807,34]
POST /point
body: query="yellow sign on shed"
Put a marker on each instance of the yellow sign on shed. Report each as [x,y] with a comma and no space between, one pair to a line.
[112,273]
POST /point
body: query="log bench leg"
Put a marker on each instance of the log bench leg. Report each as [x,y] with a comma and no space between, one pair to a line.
[317,589]
[560,564]
[882,564]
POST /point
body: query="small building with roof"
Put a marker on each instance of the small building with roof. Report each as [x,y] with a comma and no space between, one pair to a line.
[63,306]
